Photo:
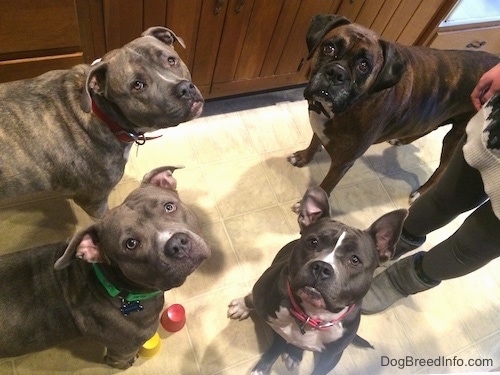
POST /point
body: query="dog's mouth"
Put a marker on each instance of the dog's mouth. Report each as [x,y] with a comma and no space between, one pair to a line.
[197,108]
[312,296]
[318,105]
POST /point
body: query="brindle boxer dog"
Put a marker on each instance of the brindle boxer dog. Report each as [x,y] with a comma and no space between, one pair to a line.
[71,130]
[365,90]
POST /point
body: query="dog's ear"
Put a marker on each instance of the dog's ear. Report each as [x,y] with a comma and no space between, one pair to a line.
[94,84]
[84,245]
[386,231]
[320,25]
[162,177]
[393,69]
[165,35]
[313,206]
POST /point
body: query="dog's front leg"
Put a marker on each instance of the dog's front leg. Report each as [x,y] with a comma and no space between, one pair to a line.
[303,157]
[334,175]
[118,359]
[240,308]
[267,360]
[325,361]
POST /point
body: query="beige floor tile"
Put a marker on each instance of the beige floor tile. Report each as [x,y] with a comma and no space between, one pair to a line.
[221,137]
[239,186]
[36,223]
[257,237]
[217,341]
[271,128]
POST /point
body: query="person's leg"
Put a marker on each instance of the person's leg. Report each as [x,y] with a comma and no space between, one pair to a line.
[473,245]
[459,189]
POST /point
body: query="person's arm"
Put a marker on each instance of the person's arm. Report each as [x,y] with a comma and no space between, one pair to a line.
[487,85]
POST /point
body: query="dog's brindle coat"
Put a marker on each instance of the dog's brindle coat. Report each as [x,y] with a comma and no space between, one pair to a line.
[363,90]
[328,271]
[147,245]
[52,140]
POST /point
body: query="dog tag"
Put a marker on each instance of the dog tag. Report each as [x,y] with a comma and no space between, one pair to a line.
[130,307]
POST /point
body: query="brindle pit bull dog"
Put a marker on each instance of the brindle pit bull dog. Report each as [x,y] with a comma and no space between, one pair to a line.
[71,131]
[107,283]
[364,90]
[311,294]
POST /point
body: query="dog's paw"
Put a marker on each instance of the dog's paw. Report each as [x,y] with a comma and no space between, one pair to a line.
[291,363]
[237,309]
[298,159]
[396,142]
[413,197]
[119,364]
[296,208]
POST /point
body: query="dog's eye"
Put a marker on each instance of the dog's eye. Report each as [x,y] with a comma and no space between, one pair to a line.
[131,243]
[170,207]
[313,242]
[171,60]
[329,50]
[354,260]
[138,86]
[363,66]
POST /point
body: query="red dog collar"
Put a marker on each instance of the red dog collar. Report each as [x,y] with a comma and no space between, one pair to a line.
[305,319]
[122,135]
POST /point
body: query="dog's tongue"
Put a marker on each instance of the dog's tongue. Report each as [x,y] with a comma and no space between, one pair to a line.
[311,296]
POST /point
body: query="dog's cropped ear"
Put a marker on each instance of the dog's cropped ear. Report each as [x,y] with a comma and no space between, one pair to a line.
[165,35]
[94,84]
[162,177]
[320,25]
[84,245]
[313,206]
[386,231]
[393,69]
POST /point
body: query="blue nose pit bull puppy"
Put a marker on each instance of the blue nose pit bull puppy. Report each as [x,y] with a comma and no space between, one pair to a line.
[311,294]
[107,283]
[71,131]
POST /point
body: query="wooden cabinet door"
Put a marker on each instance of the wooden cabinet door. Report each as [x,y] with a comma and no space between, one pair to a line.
[37,36]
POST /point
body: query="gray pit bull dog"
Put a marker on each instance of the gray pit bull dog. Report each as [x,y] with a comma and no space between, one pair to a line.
[71,131]
[107,283]
[311,294]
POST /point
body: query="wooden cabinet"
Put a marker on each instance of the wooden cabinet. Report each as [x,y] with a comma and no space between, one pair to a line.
[403,21]
[478,39]
[233,46]
[36,36]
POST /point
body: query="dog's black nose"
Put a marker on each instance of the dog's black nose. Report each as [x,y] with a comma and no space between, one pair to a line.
[337,75]
[178,246]
[321,270]
[185,90]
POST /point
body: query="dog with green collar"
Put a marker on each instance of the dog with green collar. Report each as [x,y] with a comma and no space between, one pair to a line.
[107,282]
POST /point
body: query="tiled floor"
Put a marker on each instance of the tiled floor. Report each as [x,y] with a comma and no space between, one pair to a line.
[237,177]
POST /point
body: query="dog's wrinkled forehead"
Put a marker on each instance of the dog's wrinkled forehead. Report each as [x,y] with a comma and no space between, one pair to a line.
[157,205]
[139,57]
[352,38]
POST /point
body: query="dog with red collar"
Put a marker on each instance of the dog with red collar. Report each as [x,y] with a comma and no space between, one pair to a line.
[311,294]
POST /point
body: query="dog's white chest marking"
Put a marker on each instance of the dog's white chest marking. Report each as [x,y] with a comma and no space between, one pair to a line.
[318,121]
[286,326]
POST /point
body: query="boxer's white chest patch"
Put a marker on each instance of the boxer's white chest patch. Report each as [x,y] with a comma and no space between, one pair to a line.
[286,326]
[318,122]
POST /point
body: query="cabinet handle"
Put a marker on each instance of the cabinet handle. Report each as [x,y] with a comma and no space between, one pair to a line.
[239,6]
[476,44]
[218,6]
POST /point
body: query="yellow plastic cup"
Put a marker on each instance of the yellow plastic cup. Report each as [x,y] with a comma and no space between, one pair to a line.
[151,347]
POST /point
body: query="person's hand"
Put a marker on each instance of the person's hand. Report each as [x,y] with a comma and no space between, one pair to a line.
[487,85]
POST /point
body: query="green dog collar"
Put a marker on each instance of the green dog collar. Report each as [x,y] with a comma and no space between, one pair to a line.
[113,291]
